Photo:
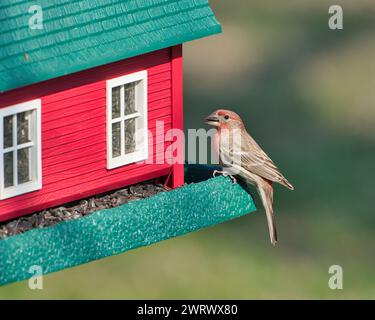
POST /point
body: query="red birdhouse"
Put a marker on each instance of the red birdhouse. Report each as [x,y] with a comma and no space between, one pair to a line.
[82,96]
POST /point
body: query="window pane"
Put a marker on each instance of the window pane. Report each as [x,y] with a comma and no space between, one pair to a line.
[23,165]
[116,139]
[130,136]
[8,169]
[129,98]
[23,127]
[8,131]
[116,105]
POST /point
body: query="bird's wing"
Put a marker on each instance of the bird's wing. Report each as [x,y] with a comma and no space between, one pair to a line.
[253,158]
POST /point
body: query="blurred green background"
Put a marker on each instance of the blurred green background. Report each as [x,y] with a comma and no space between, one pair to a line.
[307,94]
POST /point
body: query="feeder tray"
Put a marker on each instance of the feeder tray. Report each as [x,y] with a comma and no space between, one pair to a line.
[132,225]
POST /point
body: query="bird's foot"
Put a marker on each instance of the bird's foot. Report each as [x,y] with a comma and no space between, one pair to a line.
[225,174]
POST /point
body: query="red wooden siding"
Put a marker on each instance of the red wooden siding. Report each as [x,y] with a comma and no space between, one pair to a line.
[177,110]
[74,131]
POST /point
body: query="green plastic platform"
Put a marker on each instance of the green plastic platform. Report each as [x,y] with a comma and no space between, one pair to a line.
[136,224]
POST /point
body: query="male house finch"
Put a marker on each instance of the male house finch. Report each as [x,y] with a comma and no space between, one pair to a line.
[239,153]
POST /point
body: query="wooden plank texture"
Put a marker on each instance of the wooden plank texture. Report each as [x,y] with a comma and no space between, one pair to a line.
[74,133]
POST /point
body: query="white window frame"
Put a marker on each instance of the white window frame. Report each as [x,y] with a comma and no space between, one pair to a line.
[35,154]
[142,111]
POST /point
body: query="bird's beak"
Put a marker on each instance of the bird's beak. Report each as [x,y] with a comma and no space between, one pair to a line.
[213,120]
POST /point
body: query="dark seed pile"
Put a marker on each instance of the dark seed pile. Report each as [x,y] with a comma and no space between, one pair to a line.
[79,209]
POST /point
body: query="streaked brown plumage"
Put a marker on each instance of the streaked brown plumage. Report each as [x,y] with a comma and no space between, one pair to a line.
[240,153]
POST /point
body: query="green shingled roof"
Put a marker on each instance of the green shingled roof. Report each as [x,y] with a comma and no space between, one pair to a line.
[81,34]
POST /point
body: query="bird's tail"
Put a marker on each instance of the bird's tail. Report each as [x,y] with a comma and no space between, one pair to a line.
[287,184]
[266,195]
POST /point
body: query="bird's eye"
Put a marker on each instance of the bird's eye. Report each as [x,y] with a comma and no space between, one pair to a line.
[226,117]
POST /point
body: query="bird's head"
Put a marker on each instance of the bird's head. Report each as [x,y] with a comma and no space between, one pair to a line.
[225,119]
